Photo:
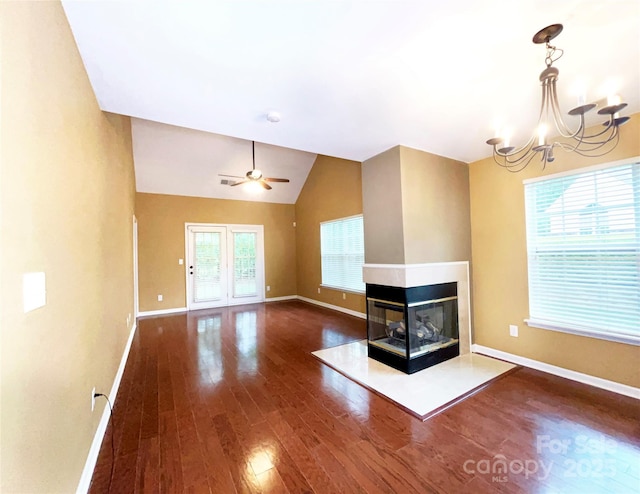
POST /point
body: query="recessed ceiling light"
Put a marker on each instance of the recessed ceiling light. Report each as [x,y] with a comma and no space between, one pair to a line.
[273,117]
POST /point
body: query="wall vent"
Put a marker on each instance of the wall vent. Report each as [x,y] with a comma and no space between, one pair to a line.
[226,181]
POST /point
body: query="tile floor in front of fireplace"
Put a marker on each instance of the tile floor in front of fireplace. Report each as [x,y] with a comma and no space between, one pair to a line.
[423,393]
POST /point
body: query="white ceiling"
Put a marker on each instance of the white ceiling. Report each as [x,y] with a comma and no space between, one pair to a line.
[185,162]
[350,79]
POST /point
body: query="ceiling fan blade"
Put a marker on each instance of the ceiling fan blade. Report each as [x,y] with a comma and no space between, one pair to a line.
[239,183]
[265,185]
[233,176]
[268,179]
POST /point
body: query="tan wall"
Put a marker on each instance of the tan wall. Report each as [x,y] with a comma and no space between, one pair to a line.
[500,270]
[67,206]
[435,208]
[161,242]
[332,191]
[382,205]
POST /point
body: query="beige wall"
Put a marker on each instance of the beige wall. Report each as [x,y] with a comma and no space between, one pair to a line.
[416,208]
[435,206]
[382,205]
[500,270]
[332,191]
[161,242]
[67,205]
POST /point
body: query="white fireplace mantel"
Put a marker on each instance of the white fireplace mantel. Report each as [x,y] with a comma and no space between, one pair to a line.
[409,275]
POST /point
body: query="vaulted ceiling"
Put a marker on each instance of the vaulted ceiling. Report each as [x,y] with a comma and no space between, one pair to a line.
[350,79]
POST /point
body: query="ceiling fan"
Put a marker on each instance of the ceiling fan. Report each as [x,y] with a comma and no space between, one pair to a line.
[255,175]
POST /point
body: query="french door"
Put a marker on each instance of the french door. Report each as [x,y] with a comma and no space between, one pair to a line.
[225,265]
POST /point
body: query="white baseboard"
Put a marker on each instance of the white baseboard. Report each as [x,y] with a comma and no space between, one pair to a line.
[278,299]
[598,382]
[92,457]
[162,312]
[333,307]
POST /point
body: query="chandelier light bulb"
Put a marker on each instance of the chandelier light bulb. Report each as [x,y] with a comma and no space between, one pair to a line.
[542,134]
[613,99]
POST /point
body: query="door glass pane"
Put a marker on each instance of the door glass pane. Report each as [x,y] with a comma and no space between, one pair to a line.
[206,279]
[244,264]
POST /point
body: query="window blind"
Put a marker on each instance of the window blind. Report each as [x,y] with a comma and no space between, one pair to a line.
[342,253]
[583,244]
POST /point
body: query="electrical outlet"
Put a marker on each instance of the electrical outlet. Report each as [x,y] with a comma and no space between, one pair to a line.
[159,298]
[344,296]
[93,398]
[181,261]
[318,289]
[513,330]
[268,288]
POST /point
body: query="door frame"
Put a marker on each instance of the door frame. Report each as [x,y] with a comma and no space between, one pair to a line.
[260,267]
[136,287]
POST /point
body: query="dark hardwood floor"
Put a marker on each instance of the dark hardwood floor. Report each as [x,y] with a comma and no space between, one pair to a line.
[231,400]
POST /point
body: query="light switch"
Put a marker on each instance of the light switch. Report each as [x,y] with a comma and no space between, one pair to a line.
[181,261]
[34,293]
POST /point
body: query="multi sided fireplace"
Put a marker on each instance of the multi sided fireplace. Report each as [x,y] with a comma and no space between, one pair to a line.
[413,328]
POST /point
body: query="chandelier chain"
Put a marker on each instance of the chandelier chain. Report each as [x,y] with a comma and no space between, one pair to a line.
[551,51]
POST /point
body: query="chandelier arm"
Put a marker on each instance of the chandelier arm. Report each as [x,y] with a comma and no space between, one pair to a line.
[590,144]
[518,155]
[587,152]
[525,151]
[608,128]
[526,154]
[512,166]
[561,125]
[526,146]
[594,146]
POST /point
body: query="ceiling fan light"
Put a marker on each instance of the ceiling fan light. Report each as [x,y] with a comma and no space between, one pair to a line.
[254,187]
[255,174]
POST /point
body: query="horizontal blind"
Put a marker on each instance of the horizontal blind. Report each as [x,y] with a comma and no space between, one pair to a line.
[583,244]
[342,253]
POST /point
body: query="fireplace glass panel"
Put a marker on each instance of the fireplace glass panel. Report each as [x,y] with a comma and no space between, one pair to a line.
[386,326]
[431,325]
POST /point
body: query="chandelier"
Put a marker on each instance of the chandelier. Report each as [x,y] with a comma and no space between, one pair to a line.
[578,141]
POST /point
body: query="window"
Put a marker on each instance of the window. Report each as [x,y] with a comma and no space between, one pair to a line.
[583,244]
[342,253]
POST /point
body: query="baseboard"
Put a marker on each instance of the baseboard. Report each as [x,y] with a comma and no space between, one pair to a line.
[597,382]
[161,312]
[279,299]
[92,457]
[333,307]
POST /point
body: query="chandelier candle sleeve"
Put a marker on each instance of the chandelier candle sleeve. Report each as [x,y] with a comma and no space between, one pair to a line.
[595,144]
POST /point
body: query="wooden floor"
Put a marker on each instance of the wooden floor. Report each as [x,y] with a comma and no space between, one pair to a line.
[231,400]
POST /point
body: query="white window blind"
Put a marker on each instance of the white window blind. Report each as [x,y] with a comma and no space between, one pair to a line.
[583,243]
[342,253]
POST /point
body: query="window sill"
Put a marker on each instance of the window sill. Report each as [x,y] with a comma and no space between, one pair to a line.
[617,337]
[345,290]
